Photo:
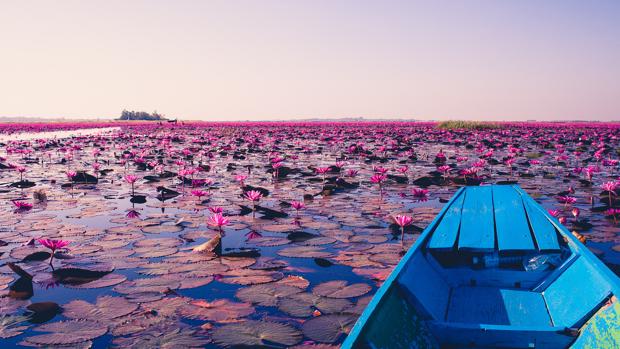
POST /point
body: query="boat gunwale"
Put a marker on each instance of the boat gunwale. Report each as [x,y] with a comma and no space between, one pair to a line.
[378,297]
[577,249]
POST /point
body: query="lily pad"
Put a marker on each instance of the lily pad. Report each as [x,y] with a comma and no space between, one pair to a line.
[341,289]
[328,328]
[105,308]
[256,333]
[67,332]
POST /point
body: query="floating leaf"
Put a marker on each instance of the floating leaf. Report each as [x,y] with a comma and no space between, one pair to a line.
[67,332]
[304,304]
[105,281]
[221,310]
[266,294]
[105,308]
[256,333]
[304,252]
[167,337]
[328,328]
[11,326]
[340,289]
[250,276]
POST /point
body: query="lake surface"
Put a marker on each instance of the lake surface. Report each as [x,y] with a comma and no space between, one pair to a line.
[130,277]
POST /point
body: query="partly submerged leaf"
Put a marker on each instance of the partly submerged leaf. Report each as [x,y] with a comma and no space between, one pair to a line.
[221,310]
[106,308]
[11,326]
[266,294]
[67,332]
[163,337]
[256,333]
[340,289]
[328,328]
[304,304]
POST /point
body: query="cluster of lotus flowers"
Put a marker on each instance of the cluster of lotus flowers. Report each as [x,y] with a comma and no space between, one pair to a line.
[385,170]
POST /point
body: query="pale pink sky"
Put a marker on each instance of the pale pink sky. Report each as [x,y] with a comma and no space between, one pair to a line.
[260,59]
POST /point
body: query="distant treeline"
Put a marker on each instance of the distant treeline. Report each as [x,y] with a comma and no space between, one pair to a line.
[140,115]
[468,125]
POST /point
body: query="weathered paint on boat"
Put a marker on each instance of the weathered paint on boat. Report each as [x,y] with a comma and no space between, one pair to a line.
[573,305]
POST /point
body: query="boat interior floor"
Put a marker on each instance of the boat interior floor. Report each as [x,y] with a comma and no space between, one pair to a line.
[561,298]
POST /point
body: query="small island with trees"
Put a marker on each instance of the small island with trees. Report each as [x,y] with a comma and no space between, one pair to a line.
[141,115]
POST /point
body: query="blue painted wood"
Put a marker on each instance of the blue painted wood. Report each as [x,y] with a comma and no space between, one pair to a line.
[444,236]
[477,231]
[492,305]
[525,308]
[511,224]
[576,294]
[456,335]
[425,287]
[371,329]
[544,232]
[556,273]
[380,297]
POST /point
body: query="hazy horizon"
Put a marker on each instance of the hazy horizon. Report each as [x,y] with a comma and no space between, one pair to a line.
[283,60]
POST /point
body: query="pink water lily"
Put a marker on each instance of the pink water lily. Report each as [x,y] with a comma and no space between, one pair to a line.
[131,179]
[200,193]
[352,172]
[610,188]
[254,196]
[22,205]
[53,245]
[403,221]
[132,214]
[216,209]
[298,205]
[567,200]
[218,220]
[241,179]
[419,193]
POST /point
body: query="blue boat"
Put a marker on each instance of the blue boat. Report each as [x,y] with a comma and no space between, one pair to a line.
[494,270]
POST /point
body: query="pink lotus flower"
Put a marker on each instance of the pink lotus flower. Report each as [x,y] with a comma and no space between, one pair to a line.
[199,193]
[403,221]
[352,172]
[554,213]
[322,170]
[218,220]
[419,193]
[297,205]
[216,209]
[610,188]
[403,169]
[567,200]
[132,214]
[53,245]
[240,179]
[377,178]
[71,174]
[444,169]
[253,195]
[22,205]
[131,179]
[613,212]
[379,169]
